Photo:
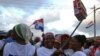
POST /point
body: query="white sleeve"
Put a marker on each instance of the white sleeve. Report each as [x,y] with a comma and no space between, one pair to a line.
[78,54]
[6,50]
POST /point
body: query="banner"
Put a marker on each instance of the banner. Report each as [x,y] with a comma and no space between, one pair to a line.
[79,10]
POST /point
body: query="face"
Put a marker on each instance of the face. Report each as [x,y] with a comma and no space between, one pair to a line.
[57,45]
[49,42]
[74,44]
[65,39]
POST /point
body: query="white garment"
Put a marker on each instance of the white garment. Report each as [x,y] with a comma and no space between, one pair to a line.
[79,53]
[68,52]
[15,49]
[42,51]
[97,53]
[87,51]
[82,48]
[37,45]
[1,44]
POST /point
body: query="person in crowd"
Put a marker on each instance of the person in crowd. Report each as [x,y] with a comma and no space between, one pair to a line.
[48,47]
[76,43]
[37,42]
[97,53]
[63,50]
[3,35]
[67,50]
[2,43]
[9,38]
[57,43]
[95,47]
[21,47]
[42,43]
[87,45]
[65,41]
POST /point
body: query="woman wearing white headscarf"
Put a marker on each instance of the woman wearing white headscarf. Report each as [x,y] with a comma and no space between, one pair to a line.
[22,47]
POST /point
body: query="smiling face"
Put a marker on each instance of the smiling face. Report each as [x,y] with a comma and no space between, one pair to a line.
[49,41]
[57,44]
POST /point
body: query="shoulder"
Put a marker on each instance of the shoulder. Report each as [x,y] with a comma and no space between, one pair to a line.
[41,48]
[7,48]
[86,50]
[97,53]
[8,45]
[30,47]
[68,52]
[79,53]
[2,43]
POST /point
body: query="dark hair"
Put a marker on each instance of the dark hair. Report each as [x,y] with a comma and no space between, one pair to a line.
[65,35]
[88,43]
[9,33]
[81,39]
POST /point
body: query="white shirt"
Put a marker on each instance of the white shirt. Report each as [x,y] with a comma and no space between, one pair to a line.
[97,53]
[15,49]
[37,45]
[68,52]
[43,51]
[87,51]
[1,44]
[79,53]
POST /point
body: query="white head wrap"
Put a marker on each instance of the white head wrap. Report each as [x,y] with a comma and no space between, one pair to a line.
[23,31]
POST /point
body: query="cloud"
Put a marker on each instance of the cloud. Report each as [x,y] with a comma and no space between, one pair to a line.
[67,14]
[98,0]
[58,14]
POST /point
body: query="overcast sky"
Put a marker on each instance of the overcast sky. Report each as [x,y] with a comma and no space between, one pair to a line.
[58,15]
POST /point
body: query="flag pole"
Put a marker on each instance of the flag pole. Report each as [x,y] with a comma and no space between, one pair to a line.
[94,22]
[76,27]
[72,33]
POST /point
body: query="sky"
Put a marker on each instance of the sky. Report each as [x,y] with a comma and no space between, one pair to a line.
[58,15]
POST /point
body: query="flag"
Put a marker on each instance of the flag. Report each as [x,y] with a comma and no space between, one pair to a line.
[39,24]
[90,24]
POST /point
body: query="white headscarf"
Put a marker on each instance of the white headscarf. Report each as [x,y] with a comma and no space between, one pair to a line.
[23,31]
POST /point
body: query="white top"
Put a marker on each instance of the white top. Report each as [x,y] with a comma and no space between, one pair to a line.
[87,51]
[37,45]
[43,51]
[97,53]
[15,49]
[1,44]
[68,52]
[79,53]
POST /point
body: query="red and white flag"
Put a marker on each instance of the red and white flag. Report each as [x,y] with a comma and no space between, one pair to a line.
[39,24]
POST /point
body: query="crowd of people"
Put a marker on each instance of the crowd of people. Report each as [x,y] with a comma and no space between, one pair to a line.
[18,42]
